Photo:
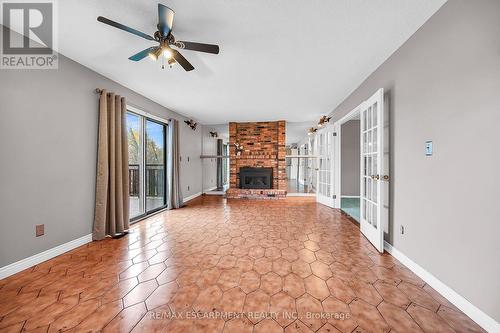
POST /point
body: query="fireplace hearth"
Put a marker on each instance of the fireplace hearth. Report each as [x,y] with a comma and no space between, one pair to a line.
[256,178]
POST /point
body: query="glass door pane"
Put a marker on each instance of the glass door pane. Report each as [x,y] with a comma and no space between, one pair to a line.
[155,165]
[225,165]
[135,164]
[294,166]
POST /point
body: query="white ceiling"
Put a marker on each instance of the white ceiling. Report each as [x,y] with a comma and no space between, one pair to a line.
[284,59]
[296,131]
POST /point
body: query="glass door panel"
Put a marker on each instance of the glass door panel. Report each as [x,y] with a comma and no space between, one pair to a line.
[155,165]
[135,164]
[299,175]
[372,169]
[325,153]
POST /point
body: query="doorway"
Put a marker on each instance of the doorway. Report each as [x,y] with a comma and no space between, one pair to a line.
[147,164]
[300,172]
[350,167]
[215,159]
[372,134]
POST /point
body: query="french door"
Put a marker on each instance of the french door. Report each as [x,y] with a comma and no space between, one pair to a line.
[374,163]
[324,150]
[147,167]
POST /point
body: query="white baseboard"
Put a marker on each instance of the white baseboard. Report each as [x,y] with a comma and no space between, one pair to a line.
[350,196]
[215,193]
[43,256]
[210,189]
[481,318]
[301,194]
[191,197]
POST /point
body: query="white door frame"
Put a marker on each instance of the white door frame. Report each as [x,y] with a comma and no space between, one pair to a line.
[338,156]
[383,217]
[331,200]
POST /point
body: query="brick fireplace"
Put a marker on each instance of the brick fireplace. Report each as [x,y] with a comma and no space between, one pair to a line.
[262,148]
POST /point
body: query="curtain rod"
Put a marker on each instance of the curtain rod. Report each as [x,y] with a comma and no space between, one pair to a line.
[99,91]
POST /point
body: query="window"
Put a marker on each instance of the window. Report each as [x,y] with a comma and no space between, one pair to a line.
[147,171]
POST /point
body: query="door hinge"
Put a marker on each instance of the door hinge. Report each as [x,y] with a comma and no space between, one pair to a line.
[334,133]
[334,196]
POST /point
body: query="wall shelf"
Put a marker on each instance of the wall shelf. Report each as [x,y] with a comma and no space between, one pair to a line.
[254,157]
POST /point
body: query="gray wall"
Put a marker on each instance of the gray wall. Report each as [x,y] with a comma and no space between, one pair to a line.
[444,85]
[48,135]
[350,150]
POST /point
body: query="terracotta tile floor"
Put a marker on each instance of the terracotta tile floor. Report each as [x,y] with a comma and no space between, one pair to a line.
[290,265]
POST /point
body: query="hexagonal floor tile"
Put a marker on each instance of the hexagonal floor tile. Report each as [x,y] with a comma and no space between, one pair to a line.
[249,281]
[232,300]
[316,287]
[256,302]
[271,283]
[284,306]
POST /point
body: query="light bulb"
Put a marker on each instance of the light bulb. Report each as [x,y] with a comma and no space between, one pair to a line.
[167,53]
[155,54]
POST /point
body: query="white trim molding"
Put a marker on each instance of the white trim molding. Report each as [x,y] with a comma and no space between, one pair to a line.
[481,318]
[191,197]
[143,113]
[22,264]
[295,194]
[210,189]
[215,193]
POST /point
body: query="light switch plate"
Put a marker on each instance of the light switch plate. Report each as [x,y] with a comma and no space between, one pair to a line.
[39,230]
[428,148]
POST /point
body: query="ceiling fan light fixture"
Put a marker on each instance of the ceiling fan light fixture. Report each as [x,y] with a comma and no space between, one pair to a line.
[155,54]
[163,38]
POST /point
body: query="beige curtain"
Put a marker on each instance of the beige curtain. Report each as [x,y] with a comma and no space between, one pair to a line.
[112,192]
[174,195]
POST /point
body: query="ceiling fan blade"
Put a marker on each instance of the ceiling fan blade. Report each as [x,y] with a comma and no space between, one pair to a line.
[124,28]
[208,48]
[165,19]
[143,54]
[182,61]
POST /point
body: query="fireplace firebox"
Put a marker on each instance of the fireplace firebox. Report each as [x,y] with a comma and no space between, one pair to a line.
[256,178]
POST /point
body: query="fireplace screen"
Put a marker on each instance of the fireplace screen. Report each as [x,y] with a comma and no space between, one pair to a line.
[256,178]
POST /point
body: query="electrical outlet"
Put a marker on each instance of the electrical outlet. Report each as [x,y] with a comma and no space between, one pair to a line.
[402,230]
[39,230]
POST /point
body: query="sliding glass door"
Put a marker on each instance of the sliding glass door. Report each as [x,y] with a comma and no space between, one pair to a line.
[155,165]
[147,153]
[135,164]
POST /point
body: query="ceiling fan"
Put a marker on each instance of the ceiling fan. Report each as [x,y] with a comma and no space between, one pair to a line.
[166,40]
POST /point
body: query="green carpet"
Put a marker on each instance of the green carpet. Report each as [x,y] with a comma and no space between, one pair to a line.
[350,206]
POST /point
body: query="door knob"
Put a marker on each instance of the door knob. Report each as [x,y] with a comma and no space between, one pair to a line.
[377,177]
[385,177]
